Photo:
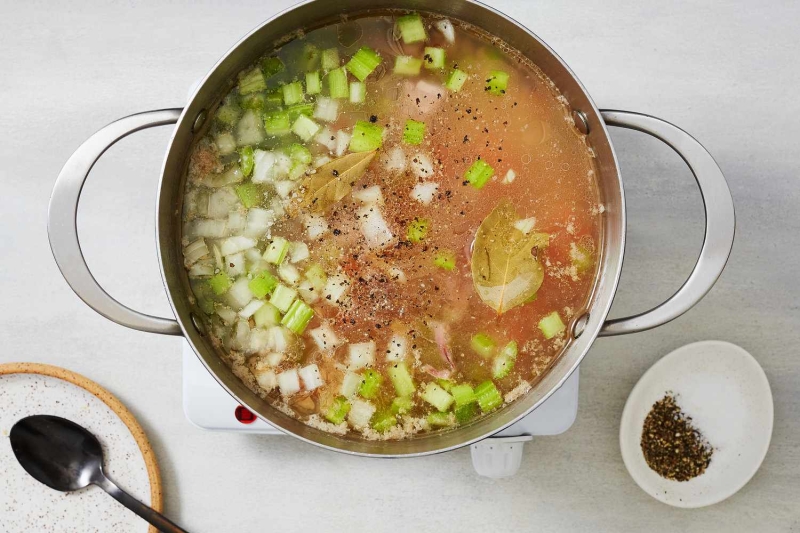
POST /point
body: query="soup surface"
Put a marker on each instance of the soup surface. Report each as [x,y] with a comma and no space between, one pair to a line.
[390,224]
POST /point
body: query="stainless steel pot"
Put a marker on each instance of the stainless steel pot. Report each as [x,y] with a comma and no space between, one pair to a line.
[719,231]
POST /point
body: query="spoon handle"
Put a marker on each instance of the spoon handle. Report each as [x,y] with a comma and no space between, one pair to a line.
[148,513]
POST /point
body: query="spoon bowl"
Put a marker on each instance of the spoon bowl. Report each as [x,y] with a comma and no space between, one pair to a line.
[66,457]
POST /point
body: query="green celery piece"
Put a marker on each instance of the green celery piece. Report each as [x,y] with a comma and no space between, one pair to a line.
[250,194]
[277,123]
[456,80]
[262,284]
[401,405]
[441,420]
[220,283]
[246,160]
[478,174]
[366,137]
[371,381]
[407,65]
[292,93]
[271,66]
[412,30]
[274,97]
[363,63]
[251,82]
[446,384]
[433,58]
[581,258]
[401,379]
[445,259]
[417,229]
[313,82]
[337,83]
[497,82]
[228,114]
[267,315]
[551,325]
[297,317]
[338,410]
[383,421]
[283,297]
[305,128]
[276,251]
[300,109]
[414,132]
[437,397]
[330,59]
[316,275]
[300,154]
[482,344]
[255,101]
[462,394]
[504,361]
[488,396]
[465,413]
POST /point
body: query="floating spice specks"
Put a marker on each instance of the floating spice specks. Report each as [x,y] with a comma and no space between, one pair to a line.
[672,447]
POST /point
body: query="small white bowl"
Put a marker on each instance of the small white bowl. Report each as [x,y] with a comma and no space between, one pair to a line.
[725,391]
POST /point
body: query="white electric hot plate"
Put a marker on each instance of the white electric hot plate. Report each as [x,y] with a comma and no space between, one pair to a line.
[727,395]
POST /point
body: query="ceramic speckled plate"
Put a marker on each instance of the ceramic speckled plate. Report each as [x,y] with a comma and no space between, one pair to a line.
[27,505]
[725,391]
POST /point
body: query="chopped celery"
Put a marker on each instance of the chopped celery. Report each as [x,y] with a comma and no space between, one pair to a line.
[504,361]
[274,97]
[497,82]
[313,83]
[282,297]
[309,57]
[366,137]
[479,173]
[317,277]
[300,109]
[411,28]
[276,251]
[401,405]
[228,114]
[305,128]
[401,379]
[371,381]
[413,132]
[299,153]
[338,410]
[358,92]
[219,283]
[249,194]
[581,257]
[330,59]
[277,123]
[437,397]
[417,229]
[262,284]
[465,413]
[246,160]
[445,259]
[337,83]
[446,384]
[363,62]
[551,325]
[441,420]
[251,82]
[487,396]
[462,394]
[383,421]
[482,344]
[456,80]
[292,93]
[434,57]
[271,66]
[297,317]
[407,65]
[255,101]
[267,315]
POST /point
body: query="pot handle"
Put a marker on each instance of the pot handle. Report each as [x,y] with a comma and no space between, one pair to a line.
[719,230]
[62,228]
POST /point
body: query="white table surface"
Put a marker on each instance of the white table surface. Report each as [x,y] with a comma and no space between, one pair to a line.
[726,71]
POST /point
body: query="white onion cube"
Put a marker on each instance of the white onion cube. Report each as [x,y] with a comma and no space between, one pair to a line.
[239,294]
[324,337]
[360,413]
[424,192]
[397,348]
[369,195]
[251,308]
[266,379]
[232,245]
[335,288]
[350,384]
[327,109]
[316,226]
[311,377]
[361,354]
[259,340]
[289,382]
[374,227]
[298,251]
[274,358]
[422,166]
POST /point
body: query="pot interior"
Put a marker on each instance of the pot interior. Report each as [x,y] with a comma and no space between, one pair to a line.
[321,12]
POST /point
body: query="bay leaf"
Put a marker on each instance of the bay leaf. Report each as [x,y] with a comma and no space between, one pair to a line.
[334,180]
[505,272]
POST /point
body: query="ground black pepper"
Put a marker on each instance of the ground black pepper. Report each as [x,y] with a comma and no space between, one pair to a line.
[672,447]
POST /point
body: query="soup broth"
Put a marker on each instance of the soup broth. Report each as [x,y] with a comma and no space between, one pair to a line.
[390,225]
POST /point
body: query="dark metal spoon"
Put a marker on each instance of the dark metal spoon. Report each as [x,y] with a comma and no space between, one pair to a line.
[66,457]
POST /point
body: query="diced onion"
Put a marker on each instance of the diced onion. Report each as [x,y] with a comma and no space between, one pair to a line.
[231,245]
[221,202]
[241,339]
[342,142]
[259,340]
[422,166]
[201,270]
[307,292]
[285,188]
[525,225]
[335,288]
[395,160]
[424,192]
[236,222]
[289,382]
[510,176]
[324,337]
[370,195]
[251,308]
[289,273]
[210,229]
[298,251]
[217,256]
[326,138]
[280,338]
[327,109]
[374,227]
[227,314]
[234,264]
[321,160]
[350,384]
[258,222]
[275,358]
[360,413]
[315,225]
[447,30]
[283,164]
[397,348]
[267,379]
[361,354]
[194,252]
[311,377]
[226,144]
[239,294]
[250,129]
[397,274]
[264,163]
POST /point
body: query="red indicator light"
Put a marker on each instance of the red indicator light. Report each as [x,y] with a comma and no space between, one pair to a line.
[244,415]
